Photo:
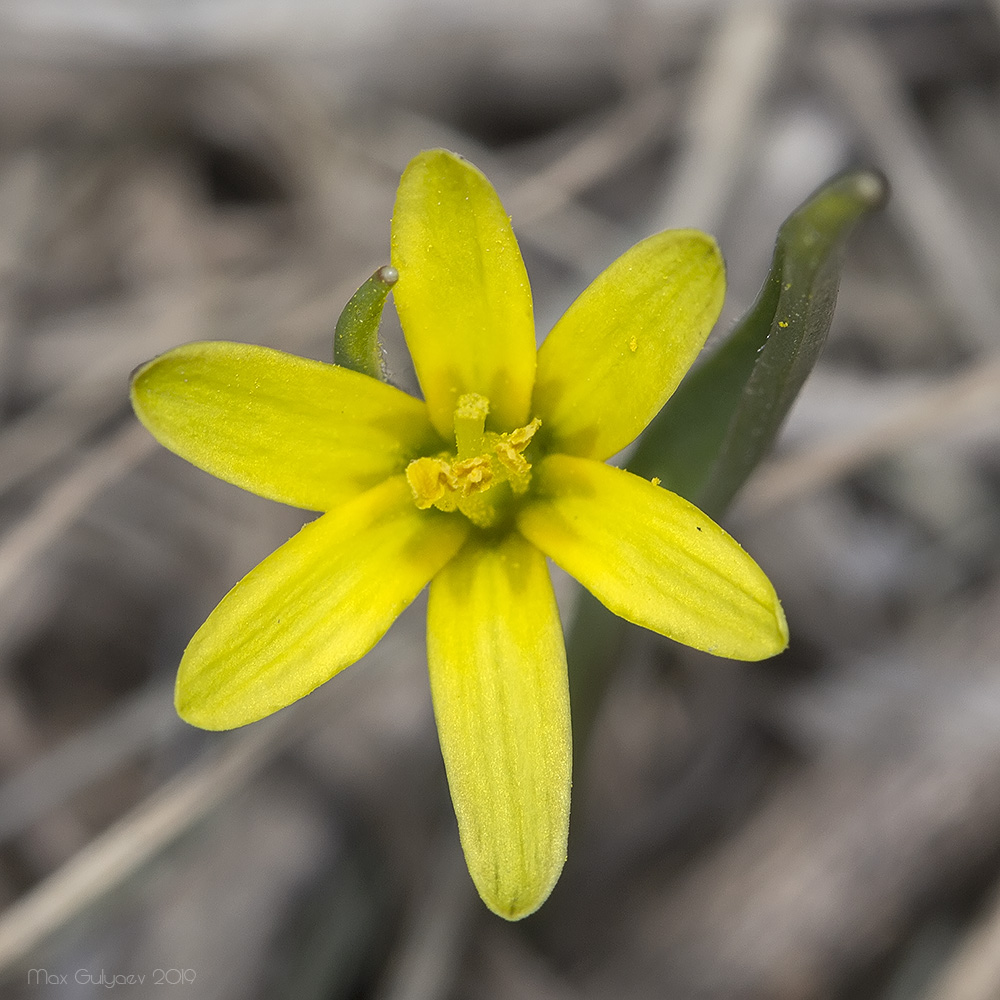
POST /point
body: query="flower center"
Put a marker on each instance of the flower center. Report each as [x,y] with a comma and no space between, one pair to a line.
[467,481]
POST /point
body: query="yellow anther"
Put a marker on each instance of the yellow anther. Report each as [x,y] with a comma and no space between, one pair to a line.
[511,458]
[523,435]
[510,446]
[473,475]
[431,480]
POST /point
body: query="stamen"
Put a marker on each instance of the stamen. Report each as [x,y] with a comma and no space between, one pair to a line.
[510,446]
[431,481]
[473,475]
[484,459]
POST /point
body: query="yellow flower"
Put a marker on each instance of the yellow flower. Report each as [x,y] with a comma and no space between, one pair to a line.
[470,490]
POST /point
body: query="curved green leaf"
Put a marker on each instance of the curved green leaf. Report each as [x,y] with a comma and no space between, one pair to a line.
[724,417]
[356,344]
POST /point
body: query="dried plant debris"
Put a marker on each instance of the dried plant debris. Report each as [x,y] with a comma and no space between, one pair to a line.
[819,827]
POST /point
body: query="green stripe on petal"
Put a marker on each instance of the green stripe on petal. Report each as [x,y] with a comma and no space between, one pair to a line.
[313,607]
[501,699]
[623,346]
[653,558]
[308,434]
[463,297]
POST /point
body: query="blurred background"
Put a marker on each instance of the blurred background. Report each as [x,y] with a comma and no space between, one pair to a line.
[821,826]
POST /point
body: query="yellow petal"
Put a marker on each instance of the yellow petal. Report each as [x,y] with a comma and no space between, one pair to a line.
[313,607]
[306,433]
[623,346]
[653,558]
[501,699]
[463,297]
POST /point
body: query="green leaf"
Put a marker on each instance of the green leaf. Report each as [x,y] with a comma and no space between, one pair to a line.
[595,641]
[723,419]
[355,342]
[725,415]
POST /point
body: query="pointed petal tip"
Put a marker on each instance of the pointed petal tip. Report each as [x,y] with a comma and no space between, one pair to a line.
[769,639]
[781,623]
[195,714]
[441,156]
[522,904]
[220,714]
[512,901]
[135,373]
[779,612]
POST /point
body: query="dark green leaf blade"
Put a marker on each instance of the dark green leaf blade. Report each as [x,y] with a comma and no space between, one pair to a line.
[724,417]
